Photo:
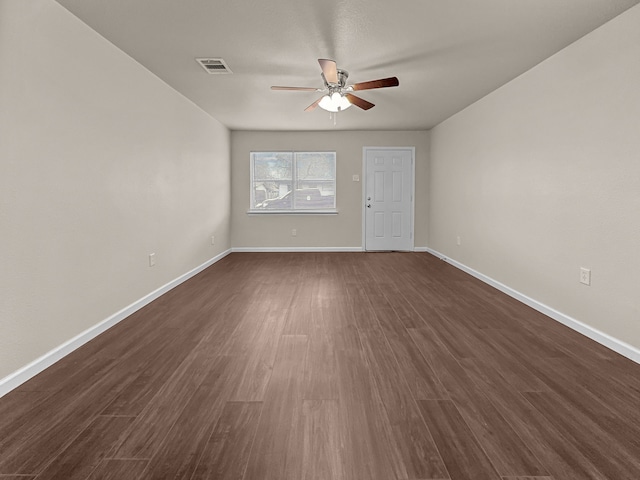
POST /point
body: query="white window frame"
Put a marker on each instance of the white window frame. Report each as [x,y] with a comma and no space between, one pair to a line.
[293,210]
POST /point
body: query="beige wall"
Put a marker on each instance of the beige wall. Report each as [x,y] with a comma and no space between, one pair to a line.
[542,177]
[101,163]
[338,231]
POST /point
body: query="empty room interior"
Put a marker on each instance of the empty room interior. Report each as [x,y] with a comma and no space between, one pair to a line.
[320,240]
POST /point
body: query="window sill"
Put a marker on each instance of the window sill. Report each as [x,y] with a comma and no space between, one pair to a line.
[292,212]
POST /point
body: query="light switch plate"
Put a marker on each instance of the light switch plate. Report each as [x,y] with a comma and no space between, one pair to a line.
[585,276]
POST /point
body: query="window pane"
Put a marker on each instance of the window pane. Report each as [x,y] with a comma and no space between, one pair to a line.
[315,180]
[272,180]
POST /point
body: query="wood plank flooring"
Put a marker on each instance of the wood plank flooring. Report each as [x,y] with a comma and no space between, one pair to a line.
[329,366]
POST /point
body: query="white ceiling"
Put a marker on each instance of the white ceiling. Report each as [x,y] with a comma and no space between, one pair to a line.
[446,53]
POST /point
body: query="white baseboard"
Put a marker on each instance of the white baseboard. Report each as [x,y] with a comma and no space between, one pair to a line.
[602,338]
[297,249]
[20,376]
[310,249]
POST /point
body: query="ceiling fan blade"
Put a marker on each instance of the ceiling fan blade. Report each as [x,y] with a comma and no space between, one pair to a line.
[300,89]
[313,106]
[359,102]
[382,83]
[329,69]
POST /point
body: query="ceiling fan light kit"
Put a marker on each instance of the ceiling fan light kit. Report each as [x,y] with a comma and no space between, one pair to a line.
[337,94]
[334,102]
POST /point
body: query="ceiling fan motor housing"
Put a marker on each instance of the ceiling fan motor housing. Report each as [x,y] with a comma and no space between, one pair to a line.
[342,77]
[342,81]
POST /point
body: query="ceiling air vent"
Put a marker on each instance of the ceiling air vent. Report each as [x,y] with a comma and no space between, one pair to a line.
[214,65]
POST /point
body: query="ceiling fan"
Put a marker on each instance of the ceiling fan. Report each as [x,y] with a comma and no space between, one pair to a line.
[338,94]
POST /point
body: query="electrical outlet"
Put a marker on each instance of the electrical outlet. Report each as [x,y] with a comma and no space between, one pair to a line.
[585,276]
[152,259]
[213,240]
[356,178]
[458,242]
[294,232]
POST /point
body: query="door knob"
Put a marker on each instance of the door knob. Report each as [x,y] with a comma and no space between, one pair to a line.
[368,205]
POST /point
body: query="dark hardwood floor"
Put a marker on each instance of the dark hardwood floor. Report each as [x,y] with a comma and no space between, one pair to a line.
[345,366]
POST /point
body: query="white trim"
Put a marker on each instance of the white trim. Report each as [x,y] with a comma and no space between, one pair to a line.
[413,198]
[17,378]
[295,249]
[293,212]
[422,249]
[617,345]
[364,199]
[413,192]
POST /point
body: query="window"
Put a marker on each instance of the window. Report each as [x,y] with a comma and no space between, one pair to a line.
[286,182]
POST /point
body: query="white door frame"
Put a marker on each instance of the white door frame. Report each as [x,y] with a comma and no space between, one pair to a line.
[364,192]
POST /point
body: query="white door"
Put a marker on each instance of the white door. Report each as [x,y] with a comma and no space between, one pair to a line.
[388,198]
